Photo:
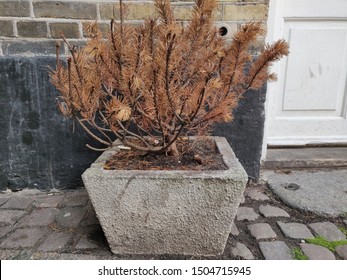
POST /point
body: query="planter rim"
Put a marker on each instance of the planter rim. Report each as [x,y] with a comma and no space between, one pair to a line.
[235,170]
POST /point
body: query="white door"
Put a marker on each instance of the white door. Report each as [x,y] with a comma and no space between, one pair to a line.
[308,103]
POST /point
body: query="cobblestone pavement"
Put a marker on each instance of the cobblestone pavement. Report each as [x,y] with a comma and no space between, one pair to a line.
[64,226]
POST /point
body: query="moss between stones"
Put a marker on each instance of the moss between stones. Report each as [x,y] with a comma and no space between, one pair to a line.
[298,254]
[321,241]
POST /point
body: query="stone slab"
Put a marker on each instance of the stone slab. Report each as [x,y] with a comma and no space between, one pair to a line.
[327,230]
[85,244]
[4,231]
[3,200]
[23,238]
[246,213]
[275,250]
[75,200]
[261,231]
[241,250]
[8,254]
[18,202]
[39,217]
[345,221]
[10,217]
[70,217]
[269,211]
[256,194]
[315,252]
[55,241]
[342,251]
[295,230]
[234,230]
[49,201]
[298,189]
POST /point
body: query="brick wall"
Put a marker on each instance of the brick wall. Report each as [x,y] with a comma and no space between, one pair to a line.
[30,27]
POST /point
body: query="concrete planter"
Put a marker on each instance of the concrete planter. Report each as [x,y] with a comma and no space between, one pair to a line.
[167,212]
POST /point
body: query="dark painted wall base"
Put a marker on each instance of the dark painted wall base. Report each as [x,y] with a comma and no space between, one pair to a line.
[39,151]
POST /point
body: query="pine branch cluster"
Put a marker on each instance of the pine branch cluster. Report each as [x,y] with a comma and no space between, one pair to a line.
[148,85]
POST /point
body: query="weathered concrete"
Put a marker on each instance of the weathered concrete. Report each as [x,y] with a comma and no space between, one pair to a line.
[306,157]
[322,192]
[170,212]
[38,148]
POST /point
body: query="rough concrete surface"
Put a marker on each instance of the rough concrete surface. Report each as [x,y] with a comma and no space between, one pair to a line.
[322,192]
[184,212]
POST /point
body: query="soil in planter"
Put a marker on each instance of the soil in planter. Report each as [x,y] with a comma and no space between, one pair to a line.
[198,155]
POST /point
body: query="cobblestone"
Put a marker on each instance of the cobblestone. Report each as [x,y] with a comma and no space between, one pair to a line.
[345,221]
[18,202]
[241,250]
[55,241]
[234,230]
[40,217]
[49,201]
[315,252]
[4,231]
[246,213]
[262,231]
[75,200]
[295,230]
[342,251]
[275,250]
[269,211]
[256,195]
[3,200]
[327,230]
[23,238]
[84,243]
[10,217]
[70,217]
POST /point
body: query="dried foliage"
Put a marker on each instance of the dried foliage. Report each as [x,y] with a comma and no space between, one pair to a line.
[148,85]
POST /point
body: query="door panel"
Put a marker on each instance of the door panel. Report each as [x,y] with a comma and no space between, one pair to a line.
[308,102]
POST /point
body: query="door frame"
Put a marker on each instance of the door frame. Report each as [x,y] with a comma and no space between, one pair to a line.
[275,31]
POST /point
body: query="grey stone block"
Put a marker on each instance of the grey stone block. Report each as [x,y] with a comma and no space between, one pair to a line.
[6,28]
[72,200]
[275,250]
[261,231]
[255,194]
[167,212]
[55,241]
[8,254]
[15,9]
[327,230]
[23,238]
[295,230]
[3,200]
[269,211]
[58,9]
[18,202]
[69,29]
[234,230]
[4,231]
[84,244]
[70,217]
[29,48]
[10,217]
[241,250]
[51,201]
[342,251]
[246,213]
[32,29]
[39,217]
[315,252]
